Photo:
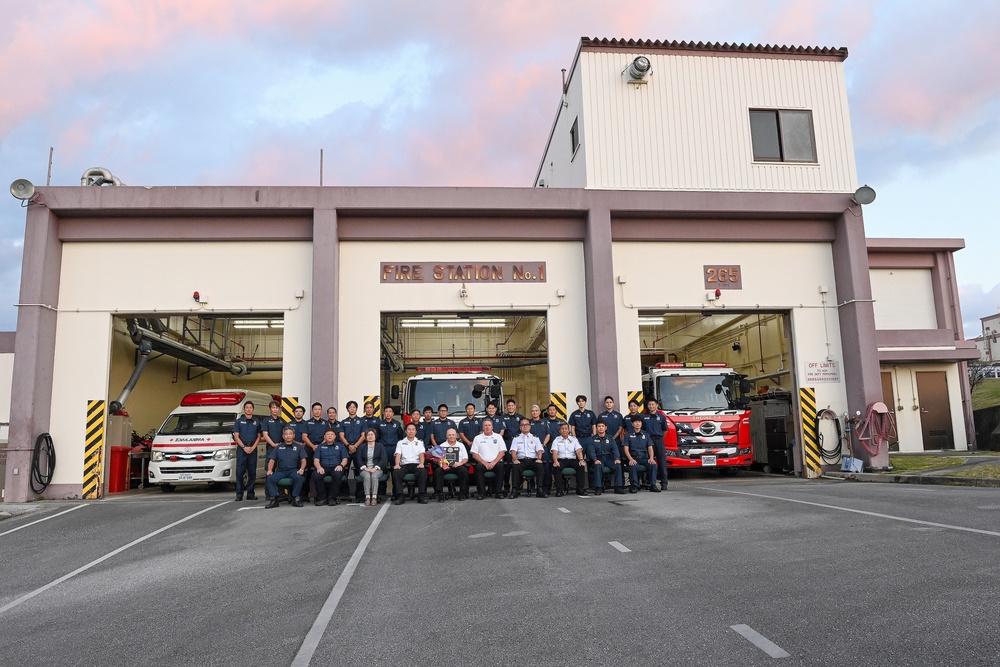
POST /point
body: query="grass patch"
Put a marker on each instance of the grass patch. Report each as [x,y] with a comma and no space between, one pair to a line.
[985,471]
[987,394]
[903,464]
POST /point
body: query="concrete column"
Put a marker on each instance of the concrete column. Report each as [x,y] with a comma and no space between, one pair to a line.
[599,279]
[857,322]
[34,347]
[325,309]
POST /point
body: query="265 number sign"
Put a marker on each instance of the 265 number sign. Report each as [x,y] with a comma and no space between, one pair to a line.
[723,276]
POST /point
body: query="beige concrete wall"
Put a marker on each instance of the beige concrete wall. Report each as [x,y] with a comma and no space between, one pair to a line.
[102,279]
[6,374]
[688,128]
[363,298]
[907,412]
[904,299]
[776,277]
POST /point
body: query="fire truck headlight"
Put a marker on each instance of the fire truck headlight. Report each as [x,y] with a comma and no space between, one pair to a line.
[743,451]
[156,456]
[224,454]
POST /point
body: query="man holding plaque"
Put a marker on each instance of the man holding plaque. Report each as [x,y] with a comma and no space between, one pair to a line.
[454,460]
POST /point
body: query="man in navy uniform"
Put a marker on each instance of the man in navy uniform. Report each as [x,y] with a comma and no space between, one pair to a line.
[471,426]
[526,453]
[440,426]
[581,422]
[614,421]
[272,426]
[390,432]
[298,425]
[286,461]
[603,451]
[352,436]
[639,452]
[655,424]
[330,459]
[371,421]
[246,433]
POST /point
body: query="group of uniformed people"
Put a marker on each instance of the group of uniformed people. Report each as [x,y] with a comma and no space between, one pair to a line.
[502,451]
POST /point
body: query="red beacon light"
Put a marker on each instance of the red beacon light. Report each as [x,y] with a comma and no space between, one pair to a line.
[453,369]
[213,398]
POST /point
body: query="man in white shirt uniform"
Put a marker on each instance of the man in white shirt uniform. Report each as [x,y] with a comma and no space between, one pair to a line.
[488,451]
[526,452]
[567,453]
[409,459]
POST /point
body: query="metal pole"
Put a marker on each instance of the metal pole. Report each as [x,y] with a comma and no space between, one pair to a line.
[321,166]
[48,178]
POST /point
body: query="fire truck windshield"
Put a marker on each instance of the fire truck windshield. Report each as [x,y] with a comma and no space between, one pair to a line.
[692,392]
[198,423]
[453,392]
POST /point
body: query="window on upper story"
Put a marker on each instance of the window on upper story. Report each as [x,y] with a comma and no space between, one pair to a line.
[780,135]
[574,138]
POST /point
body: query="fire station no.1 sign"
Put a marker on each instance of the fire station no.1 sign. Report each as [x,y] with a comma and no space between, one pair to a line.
[454,272]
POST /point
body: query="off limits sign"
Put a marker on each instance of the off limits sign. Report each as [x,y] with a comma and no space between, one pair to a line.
[444,272]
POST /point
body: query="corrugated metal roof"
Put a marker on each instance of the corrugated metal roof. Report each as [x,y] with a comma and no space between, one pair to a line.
[717,47]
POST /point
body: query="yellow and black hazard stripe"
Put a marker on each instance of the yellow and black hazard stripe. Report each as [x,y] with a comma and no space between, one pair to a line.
[93,450]
[377,402]
[810,435]
[558,399]
[288,405]
[636,395]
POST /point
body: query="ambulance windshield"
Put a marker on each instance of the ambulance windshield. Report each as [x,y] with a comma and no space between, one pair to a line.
[453,392]
[198,423]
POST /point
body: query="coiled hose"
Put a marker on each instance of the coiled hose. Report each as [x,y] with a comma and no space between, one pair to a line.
[43,463]
[830,455]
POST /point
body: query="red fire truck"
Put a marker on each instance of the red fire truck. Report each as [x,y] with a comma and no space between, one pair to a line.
[708,410]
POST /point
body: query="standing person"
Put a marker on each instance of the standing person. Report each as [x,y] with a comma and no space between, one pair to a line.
[567,453]
[371,421]
[487,452]
[441,425]
[389,433]
[604,452]
[334,423]
[272,426]
[246,433]
[456,462]
[511,422]
[499,427]
[471,426]
[409,460]
[315,429]
[286,461]
[526,453]
[331,459]
[352,435]
[415,419]
[581,422]
[424,429]
[372,461]
[633,410]
[655,424]
[298,424]
[540,429]
[614,421]
[639,452]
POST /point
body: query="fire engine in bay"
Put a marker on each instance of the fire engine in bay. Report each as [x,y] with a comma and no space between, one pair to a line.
[707,406]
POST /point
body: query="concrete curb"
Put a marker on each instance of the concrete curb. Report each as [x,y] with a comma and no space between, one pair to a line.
[940,480]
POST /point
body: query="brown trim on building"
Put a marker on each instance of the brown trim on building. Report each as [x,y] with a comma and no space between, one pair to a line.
[880,245]
[34,347]
[791,231]
[715,48]
[325,298]
[403,228]
[7,339]
[900,260]
[175,228]
[929,357]
[914,337]
[602,331]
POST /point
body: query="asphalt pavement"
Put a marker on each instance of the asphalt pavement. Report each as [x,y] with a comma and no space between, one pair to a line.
[716,571]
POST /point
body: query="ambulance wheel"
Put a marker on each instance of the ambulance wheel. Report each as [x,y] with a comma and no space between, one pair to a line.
[167,488]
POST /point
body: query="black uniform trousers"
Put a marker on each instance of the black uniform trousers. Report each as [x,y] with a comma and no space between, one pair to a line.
[527,464]
[496,483]
[577,467]
[324,492]
[409,469]
[463,478]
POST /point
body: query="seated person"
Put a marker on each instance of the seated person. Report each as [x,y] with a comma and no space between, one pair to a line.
[409,459]
[603,451]
[639,451]
[487,451]
[370,460]
[526,452]
[286,461]
[567,453]
[330,459]
[455,462]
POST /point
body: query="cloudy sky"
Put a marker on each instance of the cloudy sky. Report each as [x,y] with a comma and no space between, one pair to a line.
[246,92]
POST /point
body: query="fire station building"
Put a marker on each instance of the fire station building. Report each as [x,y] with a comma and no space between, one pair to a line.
[694,203]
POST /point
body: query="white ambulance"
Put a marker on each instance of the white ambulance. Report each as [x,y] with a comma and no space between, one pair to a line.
[195,444]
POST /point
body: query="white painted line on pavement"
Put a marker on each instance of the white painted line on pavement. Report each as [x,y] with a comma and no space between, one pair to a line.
[515,533]
[14,530]
[244,509]
[53,584]
[621,547]
[854,511]
[760,641]
[564,510]
[315,634]
[478,535]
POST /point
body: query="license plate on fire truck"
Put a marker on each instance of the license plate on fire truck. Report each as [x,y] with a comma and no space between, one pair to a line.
[708,460]
[188,477]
